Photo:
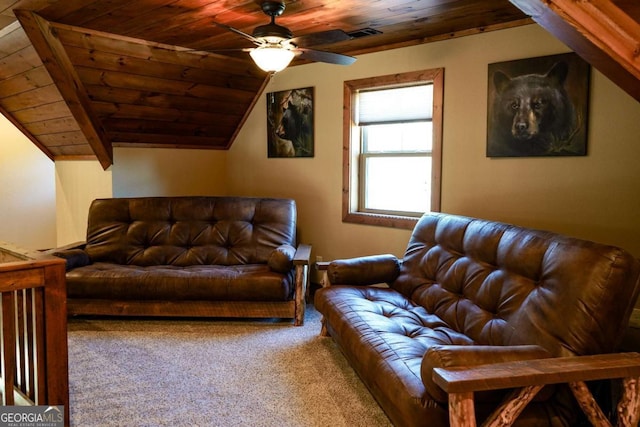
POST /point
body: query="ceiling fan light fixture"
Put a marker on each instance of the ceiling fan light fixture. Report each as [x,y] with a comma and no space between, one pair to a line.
[276,47]
[272,58]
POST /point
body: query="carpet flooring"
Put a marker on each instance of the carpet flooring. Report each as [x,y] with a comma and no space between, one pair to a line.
[222,373]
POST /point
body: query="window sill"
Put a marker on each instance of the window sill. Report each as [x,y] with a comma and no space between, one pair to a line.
[392,221]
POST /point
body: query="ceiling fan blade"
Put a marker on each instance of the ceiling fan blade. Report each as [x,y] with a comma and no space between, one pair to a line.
[241,33]
[322,37]
[233,49]
[219,51]
[322,56]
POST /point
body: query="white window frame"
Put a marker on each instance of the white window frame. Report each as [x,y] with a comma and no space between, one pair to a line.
[351,210]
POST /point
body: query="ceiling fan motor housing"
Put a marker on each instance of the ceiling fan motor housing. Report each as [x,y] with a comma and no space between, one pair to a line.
[272,8]
[272,30]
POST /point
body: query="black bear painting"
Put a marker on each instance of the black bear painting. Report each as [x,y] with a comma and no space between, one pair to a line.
[538,107]
[290,123]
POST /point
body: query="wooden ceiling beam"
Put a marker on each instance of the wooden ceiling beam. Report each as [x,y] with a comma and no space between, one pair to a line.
[63,73]
[601,33]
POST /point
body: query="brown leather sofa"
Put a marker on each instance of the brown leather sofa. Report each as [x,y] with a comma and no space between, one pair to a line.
[189,256]
[472,292]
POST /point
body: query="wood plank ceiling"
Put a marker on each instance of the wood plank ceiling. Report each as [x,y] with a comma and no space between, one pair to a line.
[79,77]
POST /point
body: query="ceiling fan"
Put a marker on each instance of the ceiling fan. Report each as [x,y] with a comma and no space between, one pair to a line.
[276,46]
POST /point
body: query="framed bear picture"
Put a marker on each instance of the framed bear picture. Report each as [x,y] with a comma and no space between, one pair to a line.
[290,130]
[538,107]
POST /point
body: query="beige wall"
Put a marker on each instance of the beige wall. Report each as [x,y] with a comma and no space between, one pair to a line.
[594,197]
[165,172]
[27,191]
[135,172]
[78,183]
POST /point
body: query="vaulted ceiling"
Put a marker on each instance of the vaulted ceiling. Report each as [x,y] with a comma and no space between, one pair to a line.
[79,77]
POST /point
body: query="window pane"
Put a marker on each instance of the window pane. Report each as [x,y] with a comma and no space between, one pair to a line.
[403,137]
[398,184]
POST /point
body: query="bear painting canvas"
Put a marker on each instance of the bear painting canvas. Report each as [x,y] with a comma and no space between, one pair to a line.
[538,107]
[290,123]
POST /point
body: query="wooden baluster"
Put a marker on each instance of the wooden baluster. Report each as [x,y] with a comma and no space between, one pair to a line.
[39,365]
[21,348]
[30,343]
[8,346]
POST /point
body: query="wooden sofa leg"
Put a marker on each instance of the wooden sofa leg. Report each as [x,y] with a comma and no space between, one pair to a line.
[323,266]
[588,403]
[629,404]
[301,294]
[507,413]
[461,410]
[323,331]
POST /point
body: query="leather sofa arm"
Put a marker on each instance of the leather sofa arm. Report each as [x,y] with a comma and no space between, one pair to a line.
[285,257]
[450,356]
[363,271]
[74,255]
[75,245]
[531,375]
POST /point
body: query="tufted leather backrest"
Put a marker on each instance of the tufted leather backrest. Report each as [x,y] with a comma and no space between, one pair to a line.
[501,284]
[184,231]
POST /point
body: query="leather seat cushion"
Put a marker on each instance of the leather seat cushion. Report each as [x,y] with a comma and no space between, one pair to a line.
[255,282]
[385,337]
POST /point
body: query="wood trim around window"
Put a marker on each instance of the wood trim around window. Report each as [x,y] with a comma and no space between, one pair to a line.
[349,187]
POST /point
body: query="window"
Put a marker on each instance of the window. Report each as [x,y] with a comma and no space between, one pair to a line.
[392,148]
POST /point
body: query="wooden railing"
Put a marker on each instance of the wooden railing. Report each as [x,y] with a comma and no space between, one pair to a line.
[33,329]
